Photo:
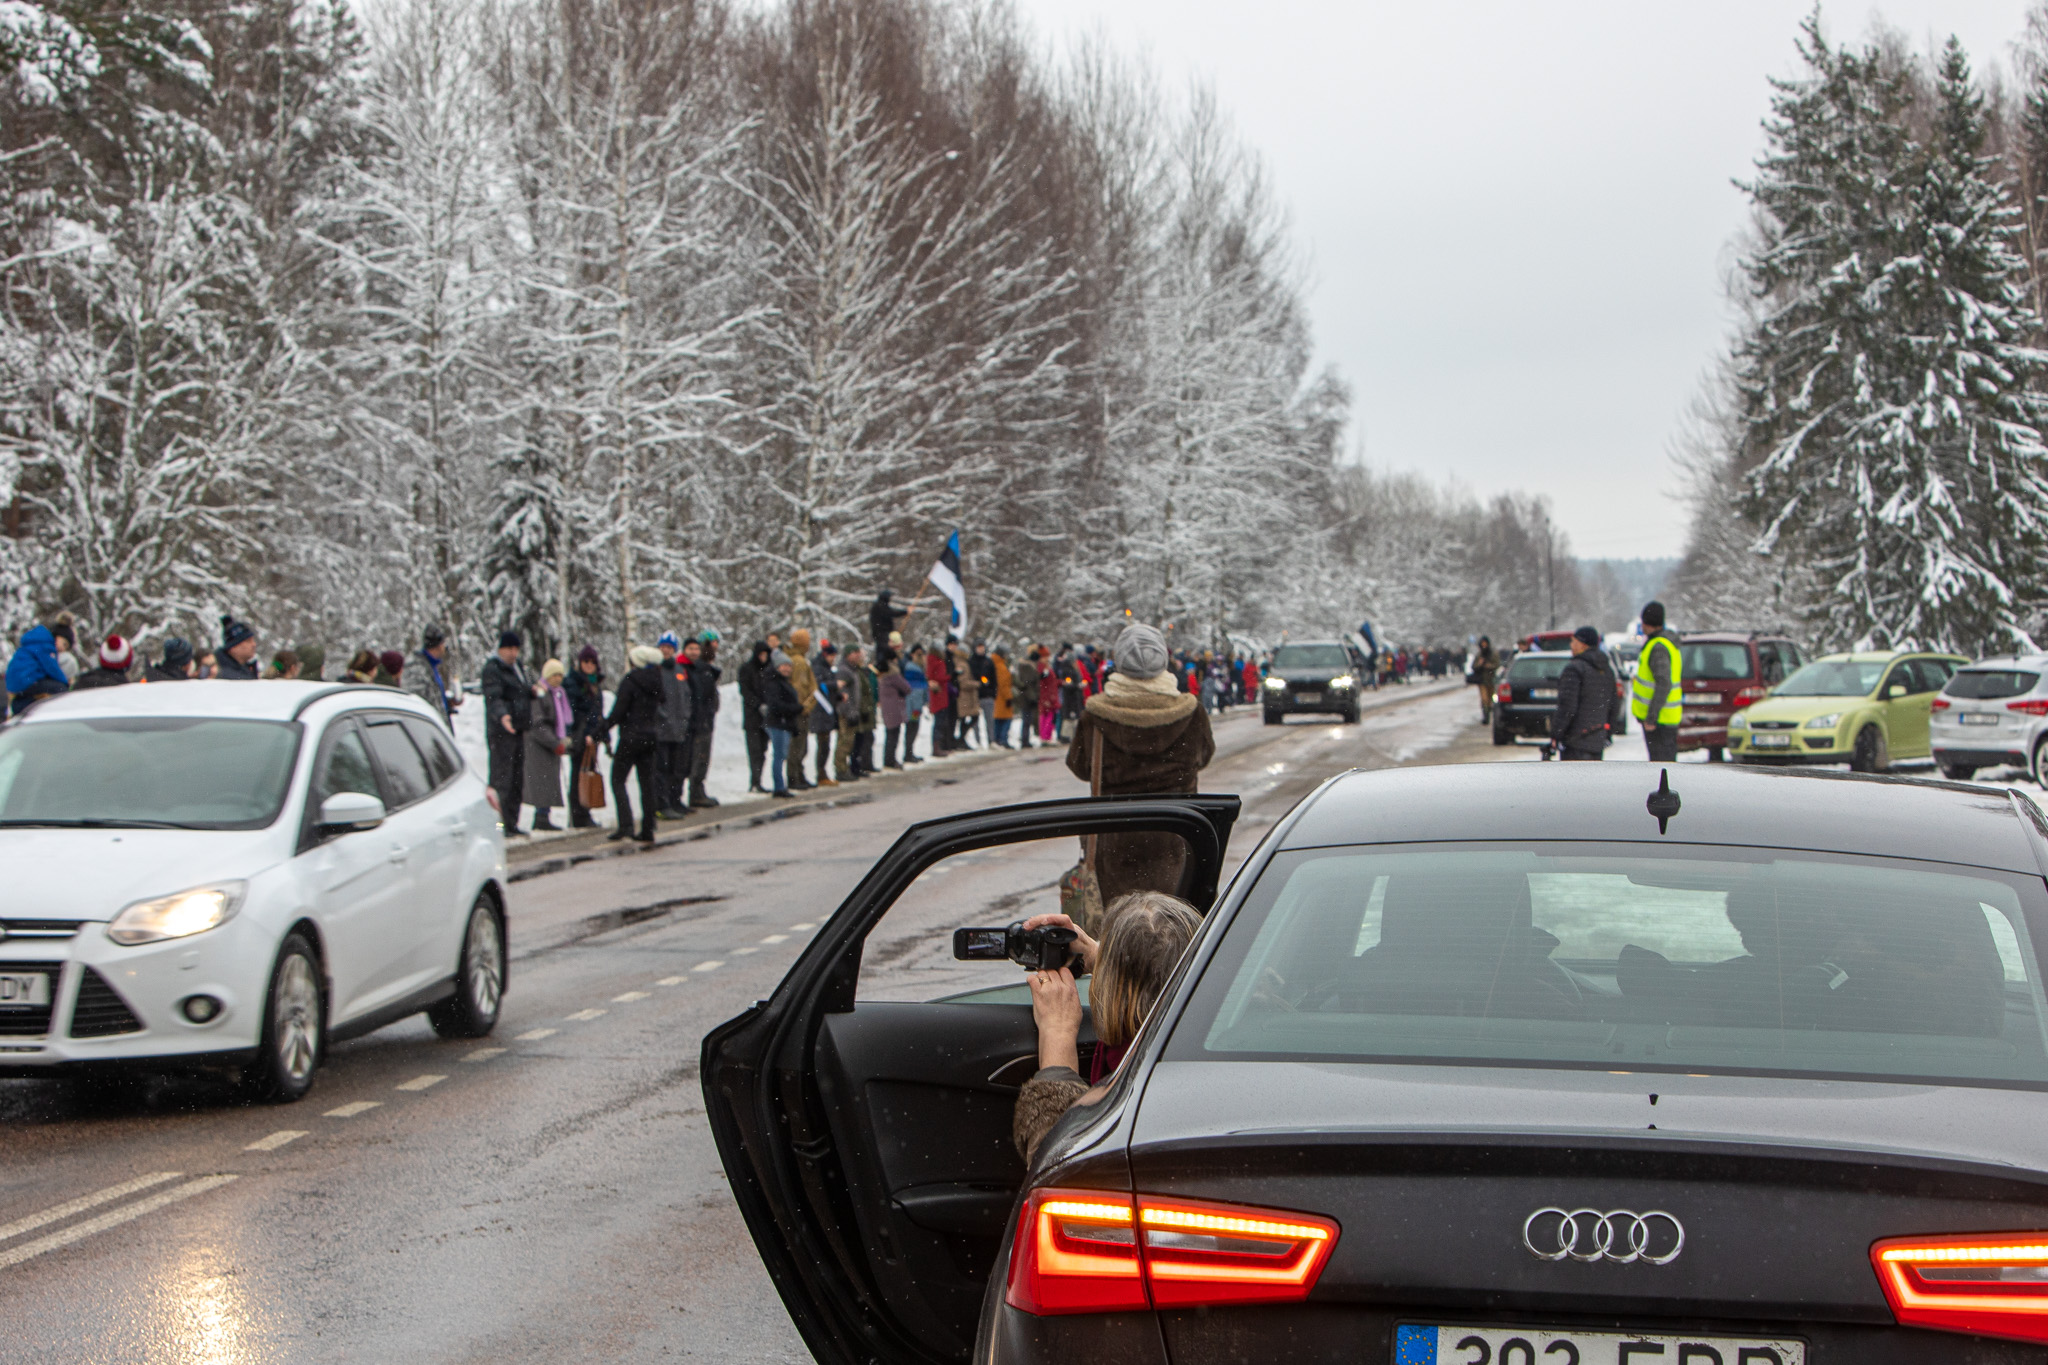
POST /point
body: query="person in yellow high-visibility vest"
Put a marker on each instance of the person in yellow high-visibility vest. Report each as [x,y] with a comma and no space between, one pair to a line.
[1657,697]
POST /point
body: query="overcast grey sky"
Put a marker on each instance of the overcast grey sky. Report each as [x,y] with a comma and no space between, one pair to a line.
[1517,216]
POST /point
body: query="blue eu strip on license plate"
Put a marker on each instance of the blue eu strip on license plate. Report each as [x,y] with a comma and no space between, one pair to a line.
[1437,1345]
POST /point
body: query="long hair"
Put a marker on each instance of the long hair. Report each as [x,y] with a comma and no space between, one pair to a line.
[1147,933]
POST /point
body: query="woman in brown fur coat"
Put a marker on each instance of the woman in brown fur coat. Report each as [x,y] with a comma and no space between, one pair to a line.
[1155,738]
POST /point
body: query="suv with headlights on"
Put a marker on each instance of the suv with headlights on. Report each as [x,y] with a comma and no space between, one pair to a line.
[1314,677]
[209,877]
[1991,714]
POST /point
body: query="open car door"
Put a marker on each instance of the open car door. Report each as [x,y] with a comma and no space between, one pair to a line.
[869,1144]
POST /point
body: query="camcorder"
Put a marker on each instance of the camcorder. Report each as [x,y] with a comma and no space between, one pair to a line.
[1044,949]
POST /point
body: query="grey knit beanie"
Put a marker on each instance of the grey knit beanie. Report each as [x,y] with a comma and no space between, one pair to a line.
[778,659]
[1140,652]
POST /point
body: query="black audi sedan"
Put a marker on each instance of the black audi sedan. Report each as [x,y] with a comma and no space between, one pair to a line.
[1314,677]
[1554,1065]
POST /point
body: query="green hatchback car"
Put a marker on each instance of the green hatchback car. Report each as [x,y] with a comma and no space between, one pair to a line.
[1866,710]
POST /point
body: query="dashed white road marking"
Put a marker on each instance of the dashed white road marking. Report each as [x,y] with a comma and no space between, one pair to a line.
[275,1140]
[629,997]
[742,952]
[85,1201]
[352,1108]
[113,1218]
[420,1082]
[707,966]
[672,981]
[534,1035]
[776,938]
[484,1054]
[801,928]
[584,1016]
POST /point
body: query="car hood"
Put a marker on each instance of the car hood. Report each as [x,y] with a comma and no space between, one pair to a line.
[1802,708]
[1195,1101]
[91,874]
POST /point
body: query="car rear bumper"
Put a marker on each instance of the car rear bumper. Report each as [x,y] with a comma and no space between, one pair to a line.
[1525,720]
[1703,736]
[1979,758]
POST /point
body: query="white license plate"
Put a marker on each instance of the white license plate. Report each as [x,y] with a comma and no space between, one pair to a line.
[1308,696]
[1542,694]
[1703,699]
[23,990]
[1976,718]
[1771,741]
[1517,1345]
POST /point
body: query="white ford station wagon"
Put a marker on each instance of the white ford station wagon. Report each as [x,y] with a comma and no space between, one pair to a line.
[209,875]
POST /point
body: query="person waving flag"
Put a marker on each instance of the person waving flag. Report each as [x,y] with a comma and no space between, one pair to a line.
[945,576]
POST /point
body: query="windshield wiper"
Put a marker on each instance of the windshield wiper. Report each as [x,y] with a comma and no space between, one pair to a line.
[91,822]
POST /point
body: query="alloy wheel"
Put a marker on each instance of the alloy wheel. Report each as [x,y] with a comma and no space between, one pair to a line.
[295,1018]
[484,958]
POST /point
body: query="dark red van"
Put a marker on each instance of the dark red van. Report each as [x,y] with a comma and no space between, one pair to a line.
[1725,671]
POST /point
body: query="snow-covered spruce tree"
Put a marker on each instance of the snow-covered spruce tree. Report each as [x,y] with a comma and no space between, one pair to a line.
[1889,415]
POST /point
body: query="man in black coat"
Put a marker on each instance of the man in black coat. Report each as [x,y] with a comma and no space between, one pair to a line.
[636,716]
[508,711]
[1585,700]
[753,681]
[702,653]
[883,618]
[585,686]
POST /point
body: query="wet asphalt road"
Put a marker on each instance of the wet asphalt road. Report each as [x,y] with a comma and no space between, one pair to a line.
[551,1192]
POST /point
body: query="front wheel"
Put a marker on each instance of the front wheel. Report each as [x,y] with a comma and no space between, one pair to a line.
[294,1027]
[1871,754]
[472,1011]
[1272,717]
[1351,717]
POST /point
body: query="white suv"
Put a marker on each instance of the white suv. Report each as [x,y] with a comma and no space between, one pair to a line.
[1993,712]
[207,874]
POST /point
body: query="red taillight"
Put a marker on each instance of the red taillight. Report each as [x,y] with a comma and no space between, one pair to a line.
[1225,1253]
[2033,706]
[1993,1285]
[1083,1251]
[1940,703]
[1506,694]
[1749,696]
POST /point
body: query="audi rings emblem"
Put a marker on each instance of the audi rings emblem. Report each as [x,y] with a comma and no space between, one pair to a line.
[1618,1235]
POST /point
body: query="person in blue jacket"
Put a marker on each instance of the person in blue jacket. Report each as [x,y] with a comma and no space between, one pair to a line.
[34,673]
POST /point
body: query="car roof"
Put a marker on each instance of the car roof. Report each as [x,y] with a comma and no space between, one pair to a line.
[1726,637]
[2009,661]
[1878,656]
[281,701]
[1719,804]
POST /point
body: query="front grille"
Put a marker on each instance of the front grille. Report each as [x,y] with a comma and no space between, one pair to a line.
[1772,724]
[40,928]
[31,1021]
[100,1011]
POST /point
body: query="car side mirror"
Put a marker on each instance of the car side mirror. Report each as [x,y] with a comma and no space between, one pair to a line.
[1895,691]
[344,812]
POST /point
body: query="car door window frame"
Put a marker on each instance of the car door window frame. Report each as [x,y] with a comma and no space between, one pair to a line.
[425,736]
[384,776]
[309,824]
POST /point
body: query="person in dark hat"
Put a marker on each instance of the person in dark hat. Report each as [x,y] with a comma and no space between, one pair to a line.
[426,675]
[585,689]
[508,710]
[176,665]
[390,670]
[236,661]
[1587,695]
[1657,696]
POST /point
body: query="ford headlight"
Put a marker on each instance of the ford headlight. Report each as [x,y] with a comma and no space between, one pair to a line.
[1827,722]
[1343,681]
[1738,721]
[177,916]
[1277,684]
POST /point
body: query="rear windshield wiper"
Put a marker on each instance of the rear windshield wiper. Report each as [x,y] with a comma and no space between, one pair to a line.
[90,822]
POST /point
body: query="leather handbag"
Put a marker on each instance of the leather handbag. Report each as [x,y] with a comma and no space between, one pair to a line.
[589,784]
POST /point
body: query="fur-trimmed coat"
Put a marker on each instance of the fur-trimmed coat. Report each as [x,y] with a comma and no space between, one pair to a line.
[1155,739]
[1044,1101]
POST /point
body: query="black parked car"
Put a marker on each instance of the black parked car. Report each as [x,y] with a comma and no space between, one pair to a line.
[1467,1064]
[1526,695]
[1315,677]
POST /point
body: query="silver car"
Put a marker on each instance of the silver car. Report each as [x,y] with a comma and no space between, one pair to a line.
[1992,714]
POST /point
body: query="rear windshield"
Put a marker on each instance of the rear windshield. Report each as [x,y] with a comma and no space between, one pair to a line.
[1311,656]
[1600,956]
[189,773]
[1833,678]
[1538,667]
[1714,663]
[1986,684]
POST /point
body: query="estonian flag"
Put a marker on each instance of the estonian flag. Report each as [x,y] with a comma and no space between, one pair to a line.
[945,576]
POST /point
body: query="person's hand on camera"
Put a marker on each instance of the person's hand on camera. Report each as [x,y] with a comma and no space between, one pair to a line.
[1082,943]
[1056,1009]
